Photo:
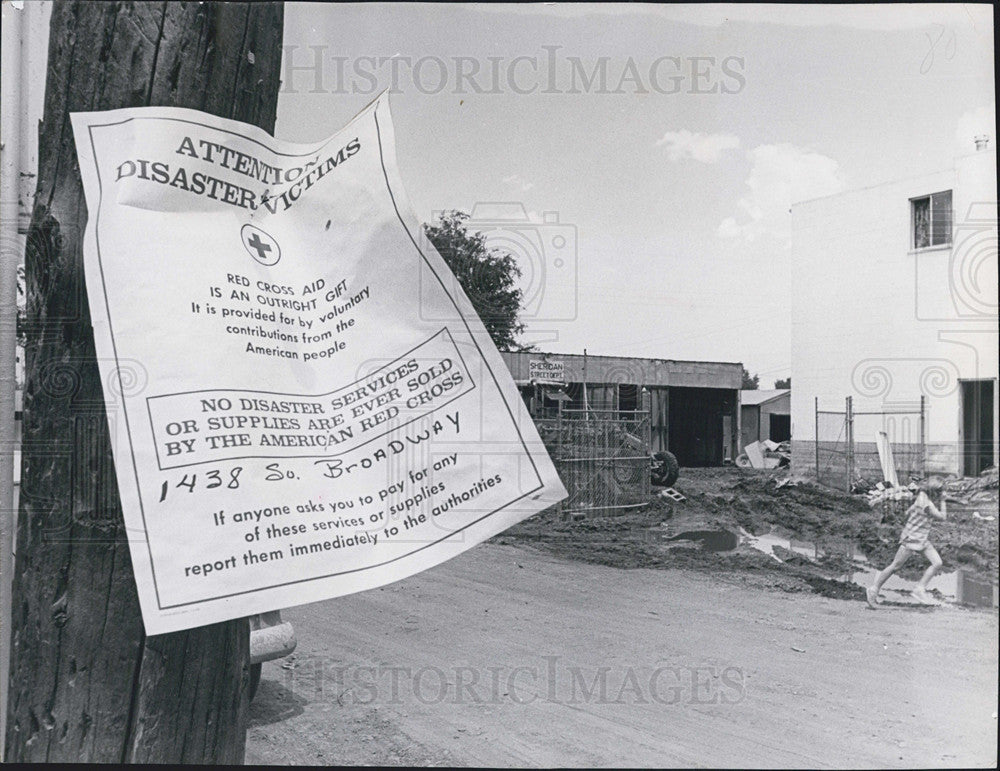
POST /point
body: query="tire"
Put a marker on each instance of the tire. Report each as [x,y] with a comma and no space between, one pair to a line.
[667,470]
[254,679]
[630,474]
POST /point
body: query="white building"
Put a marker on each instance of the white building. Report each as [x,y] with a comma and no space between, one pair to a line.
[894,298]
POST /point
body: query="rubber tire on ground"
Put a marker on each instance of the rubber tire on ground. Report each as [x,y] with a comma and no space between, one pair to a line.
[254,679]
[668,470]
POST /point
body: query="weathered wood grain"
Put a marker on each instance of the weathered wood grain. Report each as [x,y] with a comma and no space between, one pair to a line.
[86,683]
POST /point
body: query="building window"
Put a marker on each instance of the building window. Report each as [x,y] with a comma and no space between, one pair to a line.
[931,220]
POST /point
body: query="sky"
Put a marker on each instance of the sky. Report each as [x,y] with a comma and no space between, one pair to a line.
[640,161]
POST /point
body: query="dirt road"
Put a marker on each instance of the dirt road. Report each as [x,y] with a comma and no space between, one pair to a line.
[510,656]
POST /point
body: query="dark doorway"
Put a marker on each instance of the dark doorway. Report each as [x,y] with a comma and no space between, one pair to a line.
[977,426]
[696,426]
[628,397]
[781,428]
[528,397]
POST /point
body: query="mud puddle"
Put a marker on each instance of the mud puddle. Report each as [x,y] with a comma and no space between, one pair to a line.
[955,587]
[842,559]
[710,540]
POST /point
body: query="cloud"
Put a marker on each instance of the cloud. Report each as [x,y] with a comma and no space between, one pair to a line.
[780,175]
[515,181]
[973,123]
[706,148]
[729,228]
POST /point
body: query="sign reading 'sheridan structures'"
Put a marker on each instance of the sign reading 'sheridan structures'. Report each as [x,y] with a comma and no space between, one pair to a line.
[302,404]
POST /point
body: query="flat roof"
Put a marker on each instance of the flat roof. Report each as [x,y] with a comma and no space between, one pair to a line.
[543,354]
[629,369]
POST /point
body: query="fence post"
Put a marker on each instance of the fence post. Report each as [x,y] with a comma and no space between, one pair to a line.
[849,417]
[923,436]
[647,437]
[562,466]
[816,437]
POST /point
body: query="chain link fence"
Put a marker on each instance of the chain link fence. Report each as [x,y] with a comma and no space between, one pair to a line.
[832,448]
[847,443]
[602,457]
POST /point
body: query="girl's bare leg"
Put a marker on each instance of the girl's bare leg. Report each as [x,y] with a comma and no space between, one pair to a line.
[935,559]
[902,554]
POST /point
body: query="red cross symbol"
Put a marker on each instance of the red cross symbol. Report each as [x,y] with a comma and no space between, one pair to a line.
[260,245]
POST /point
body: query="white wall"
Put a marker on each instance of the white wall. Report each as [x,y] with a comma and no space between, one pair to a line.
[875,320]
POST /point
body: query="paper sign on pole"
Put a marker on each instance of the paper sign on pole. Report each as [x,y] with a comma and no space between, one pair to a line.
[291,419]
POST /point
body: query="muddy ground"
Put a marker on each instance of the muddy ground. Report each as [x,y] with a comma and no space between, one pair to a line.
[500,657]
[751,502]
[508,656]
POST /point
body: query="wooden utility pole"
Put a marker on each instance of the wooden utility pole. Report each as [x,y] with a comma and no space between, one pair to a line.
[86,684]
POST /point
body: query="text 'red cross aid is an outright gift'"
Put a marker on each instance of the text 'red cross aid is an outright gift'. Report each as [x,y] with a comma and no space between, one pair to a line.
[302,403]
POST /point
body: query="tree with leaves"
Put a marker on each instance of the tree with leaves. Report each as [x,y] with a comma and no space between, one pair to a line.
[488,276]
[750,383]
[785,383]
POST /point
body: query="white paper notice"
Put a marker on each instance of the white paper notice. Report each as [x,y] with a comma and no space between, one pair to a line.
[302,401]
